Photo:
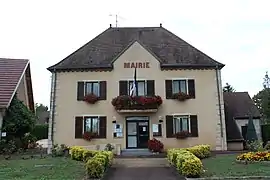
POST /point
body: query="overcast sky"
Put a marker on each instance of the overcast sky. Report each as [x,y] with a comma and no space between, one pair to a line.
[233,32]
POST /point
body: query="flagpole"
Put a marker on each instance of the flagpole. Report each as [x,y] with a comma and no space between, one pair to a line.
[136,83]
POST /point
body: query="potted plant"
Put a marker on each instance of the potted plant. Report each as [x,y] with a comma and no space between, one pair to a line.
[88,136]
[180,96]
[182,135]
[90,98]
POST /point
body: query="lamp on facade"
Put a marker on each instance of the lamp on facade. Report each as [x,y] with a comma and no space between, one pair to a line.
[160,119]
[114,119]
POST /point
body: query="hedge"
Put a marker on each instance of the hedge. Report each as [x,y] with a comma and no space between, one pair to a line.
[96,161]
[187,160]
[40,131]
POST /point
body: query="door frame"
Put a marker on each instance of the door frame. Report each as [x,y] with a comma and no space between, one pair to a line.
[137,127]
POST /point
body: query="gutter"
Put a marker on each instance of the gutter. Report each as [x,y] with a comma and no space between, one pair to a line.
[219,104]
[52,109]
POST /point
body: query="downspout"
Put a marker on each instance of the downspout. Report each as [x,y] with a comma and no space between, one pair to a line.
[52,109]
[219,104]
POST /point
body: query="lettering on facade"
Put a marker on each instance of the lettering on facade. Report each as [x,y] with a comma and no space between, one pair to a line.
[137,65]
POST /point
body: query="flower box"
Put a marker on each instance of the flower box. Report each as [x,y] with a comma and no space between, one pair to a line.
[125,102]
[181,96]
[88,136]
[90,98]
[182,135]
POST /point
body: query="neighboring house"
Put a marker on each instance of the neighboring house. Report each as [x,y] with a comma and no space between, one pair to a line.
[238,108]
[15,77]
[165,63]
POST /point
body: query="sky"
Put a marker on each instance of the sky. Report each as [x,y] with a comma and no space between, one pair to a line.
[233,32]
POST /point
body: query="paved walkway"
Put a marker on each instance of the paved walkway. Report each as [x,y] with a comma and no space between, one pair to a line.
[142,169]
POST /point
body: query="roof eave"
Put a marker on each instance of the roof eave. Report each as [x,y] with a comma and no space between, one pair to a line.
[191,66]
[89,68]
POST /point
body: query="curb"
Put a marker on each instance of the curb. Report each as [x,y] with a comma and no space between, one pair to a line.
[232,177]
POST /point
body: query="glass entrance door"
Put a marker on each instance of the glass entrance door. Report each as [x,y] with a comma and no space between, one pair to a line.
[137,132]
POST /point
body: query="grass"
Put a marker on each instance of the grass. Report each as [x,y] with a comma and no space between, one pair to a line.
[57,168]
[225,165]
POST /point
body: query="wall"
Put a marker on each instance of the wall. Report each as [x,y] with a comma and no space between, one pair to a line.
[244,122]
[1,120]
[22,91]
[205,105]
[235,146]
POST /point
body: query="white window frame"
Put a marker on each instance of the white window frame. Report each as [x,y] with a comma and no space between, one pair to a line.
[180,116]
[91,81]
[181,79]
[138,80]
[84,116]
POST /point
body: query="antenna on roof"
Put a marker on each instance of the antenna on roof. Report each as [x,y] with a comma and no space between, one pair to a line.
[116,18]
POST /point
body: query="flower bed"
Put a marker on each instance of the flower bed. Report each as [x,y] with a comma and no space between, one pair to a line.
[137,102]
[187,160]
[254,156]
[96,162]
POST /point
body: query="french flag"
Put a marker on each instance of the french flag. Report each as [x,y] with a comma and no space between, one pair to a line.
[133,88]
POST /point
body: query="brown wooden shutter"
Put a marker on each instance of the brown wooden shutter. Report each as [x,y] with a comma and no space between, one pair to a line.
[103,90]
[191,88]
[194,126]
[168,89]
[150,87]
[123,88]
[78,127]
[102,127]
[169,126]
[80,90]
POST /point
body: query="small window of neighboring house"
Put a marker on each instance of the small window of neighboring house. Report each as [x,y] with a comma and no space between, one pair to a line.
[92,87]
[181,123]
[179,86]
[142,87]
[91,124]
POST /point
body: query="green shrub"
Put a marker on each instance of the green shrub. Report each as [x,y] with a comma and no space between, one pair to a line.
[103,157]
[58,151]
[200,151]
[77,153]
[94,168]
[186,162]
[40,131]
[87,154]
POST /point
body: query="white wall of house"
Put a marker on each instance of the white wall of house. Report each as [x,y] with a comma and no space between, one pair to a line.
[244,122]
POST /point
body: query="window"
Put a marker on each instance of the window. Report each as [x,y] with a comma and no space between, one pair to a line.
[91,124]
[181,123]
[179,86]
[92,87]
[142,87]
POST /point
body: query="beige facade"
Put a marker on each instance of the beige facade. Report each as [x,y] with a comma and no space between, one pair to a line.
[205,105]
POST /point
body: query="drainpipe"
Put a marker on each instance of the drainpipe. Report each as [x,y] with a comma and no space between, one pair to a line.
[219,104]
[52,112]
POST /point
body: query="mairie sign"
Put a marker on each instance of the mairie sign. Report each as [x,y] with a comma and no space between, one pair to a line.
[136,65]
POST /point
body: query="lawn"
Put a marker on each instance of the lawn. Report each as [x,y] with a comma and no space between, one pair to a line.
[225,165]
[47,168]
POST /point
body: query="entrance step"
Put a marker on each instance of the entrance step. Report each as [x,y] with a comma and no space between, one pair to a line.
[140,153]
[141,162]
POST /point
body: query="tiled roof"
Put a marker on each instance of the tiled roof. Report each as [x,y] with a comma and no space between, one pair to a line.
[11,71]
[169,49]
[241,105]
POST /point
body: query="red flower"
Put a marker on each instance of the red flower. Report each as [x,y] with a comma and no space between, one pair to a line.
[182,135]
[89,136]
[90,98]
[155,145]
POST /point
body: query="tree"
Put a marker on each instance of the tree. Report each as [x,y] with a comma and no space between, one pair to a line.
[18,119]
[228,88]
[40,107]
[262,99]
[251,131]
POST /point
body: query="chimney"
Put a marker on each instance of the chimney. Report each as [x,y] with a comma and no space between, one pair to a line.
[160,25]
